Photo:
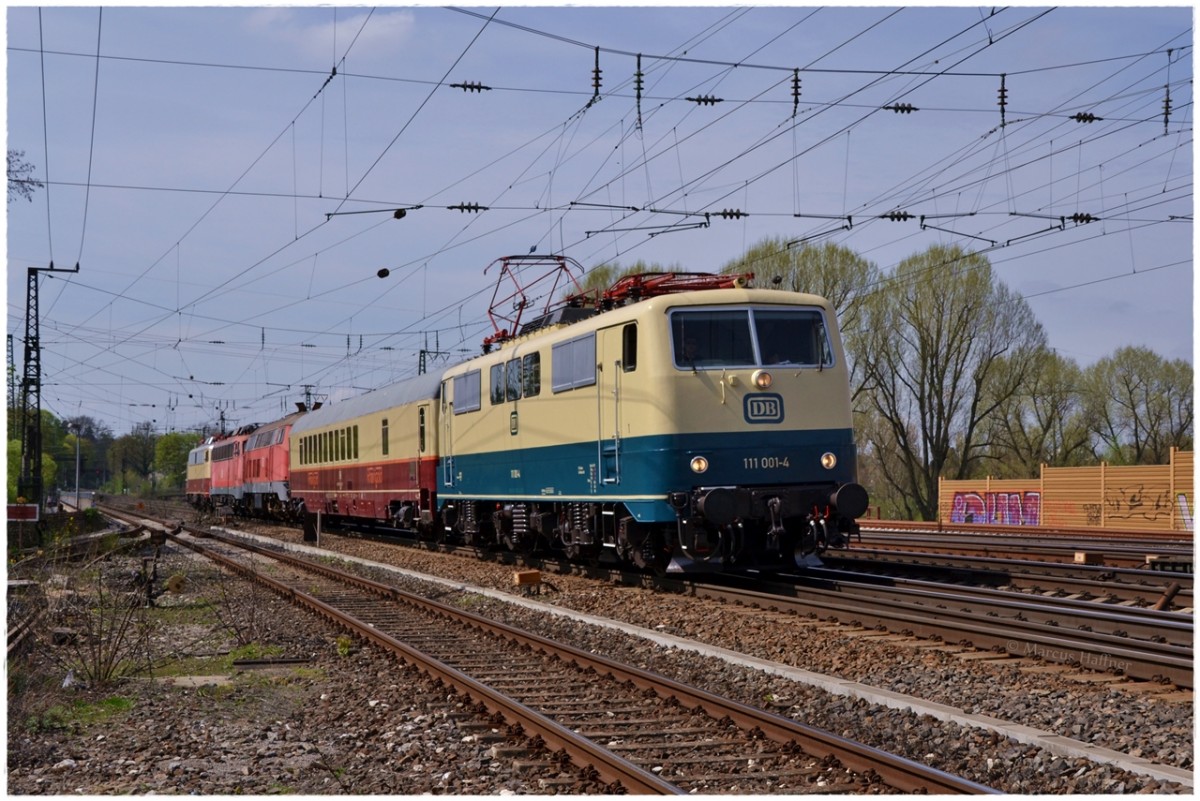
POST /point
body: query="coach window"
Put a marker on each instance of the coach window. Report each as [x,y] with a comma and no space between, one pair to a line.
[531,375]
[384,435]
[354,431]
[629,348]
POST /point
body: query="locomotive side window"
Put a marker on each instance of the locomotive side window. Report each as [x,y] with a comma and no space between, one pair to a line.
[421,429]
[384,433]
[496,383]
[573,363]
[531,375]
[513,380]
[466,392]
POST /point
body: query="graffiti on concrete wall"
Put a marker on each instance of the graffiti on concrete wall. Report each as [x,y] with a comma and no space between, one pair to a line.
[999,508]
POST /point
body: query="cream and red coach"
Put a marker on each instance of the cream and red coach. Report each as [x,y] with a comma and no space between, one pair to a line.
[373,456]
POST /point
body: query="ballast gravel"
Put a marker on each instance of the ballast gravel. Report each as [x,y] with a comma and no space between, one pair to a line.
[344,719]
[1109,716]
[351,721]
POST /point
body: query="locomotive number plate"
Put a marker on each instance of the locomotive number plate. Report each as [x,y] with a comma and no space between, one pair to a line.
[765,462]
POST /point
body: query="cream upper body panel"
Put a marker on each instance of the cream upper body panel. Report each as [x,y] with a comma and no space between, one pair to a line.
[633,381]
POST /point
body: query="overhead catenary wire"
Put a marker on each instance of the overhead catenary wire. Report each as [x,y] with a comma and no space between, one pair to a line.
[565,151]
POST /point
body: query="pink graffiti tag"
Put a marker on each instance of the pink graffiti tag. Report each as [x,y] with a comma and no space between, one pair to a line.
[999,508]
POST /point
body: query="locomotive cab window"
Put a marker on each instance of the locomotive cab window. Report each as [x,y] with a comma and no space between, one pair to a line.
[716,339]
[792,336]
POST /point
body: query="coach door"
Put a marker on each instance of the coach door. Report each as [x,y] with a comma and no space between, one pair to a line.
[613,354]
[447,441]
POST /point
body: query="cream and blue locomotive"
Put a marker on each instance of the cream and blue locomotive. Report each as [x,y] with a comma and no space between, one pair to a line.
[687,430]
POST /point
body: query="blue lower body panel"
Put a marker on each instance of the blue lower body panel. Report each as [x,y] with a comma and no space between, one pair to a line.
[642,472]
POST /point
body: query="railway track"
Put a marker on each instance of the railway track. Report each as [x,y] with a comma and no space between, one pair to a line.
[648,733]
[1069,547]
[1141,644]
[1100,584]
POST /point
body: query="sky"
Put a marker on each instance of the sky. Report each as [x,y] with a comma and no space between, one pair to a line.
[227,179]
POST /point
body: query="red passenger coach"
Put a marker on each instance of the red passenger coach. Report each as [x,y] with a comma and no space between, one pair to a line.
[372,457]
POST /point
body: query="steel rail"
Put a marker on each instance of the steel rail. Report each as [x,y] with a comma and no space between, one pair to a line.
[1143,660]
[1113,552]
[1066,613]
[896,771]
[1080,532]
[1121,582]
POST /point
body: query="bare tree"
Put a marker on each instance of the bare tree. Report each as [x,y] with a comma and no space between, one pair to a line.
[1043,424]
[20,181]
[945,345]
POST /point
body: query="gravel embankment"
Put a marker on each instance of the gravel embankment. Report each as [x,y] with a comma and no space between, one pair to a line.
[349,720]
[353,721]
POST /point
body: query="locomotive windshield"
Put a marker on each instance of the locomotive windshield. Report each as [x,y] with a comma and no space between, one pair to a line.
[716,338]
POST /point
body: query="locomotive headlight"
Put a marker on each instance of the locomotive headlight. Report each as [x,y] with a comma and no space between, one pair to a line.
[828,460]
[699,464]
[762,379]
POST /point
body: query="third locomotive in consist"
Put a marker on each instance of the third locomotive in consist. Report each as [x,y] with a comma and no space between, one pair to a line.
[679,422]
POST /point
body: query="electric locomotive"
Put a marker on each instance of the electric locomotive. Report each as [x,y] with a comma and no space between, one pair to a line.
[685,428]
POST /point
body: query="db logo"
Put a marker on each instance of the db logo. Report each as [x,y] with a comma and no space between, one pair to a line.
[763,408]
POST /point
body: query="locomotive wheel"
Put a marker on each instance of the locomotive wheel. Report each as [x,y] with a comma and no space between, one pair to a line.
[579,549]
[653,553]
